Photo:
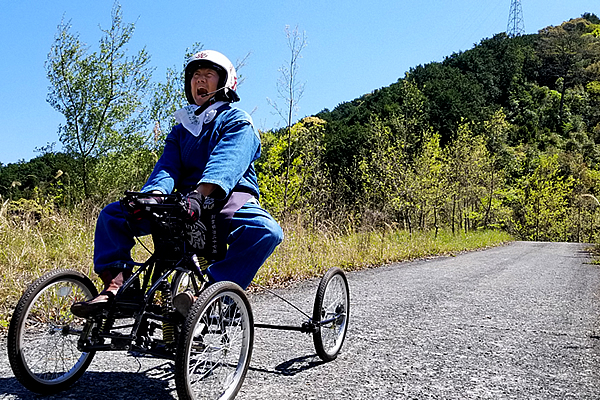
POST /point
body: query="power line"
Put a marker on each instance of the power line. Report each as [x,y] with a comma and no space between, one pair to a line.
[515,26]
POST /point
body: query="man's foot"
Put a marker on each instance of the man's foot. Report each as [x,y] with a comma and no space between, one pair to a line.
[113,280]
[183,302]
[85,309]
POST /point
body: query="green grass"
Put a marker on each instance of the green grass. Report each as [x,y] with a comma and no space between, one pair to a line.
[31,244]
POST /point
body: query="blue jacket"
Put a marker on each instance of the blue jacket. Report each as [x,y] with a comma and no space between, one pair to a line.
[223,154]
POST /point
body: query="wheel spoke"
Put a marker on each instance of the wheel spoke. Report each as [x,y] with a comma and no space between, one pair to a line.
[43,335]
[331,309]
[219,339]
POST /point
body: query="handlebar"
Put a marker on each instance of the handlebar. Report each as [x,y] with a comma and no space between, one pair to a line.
[136,195]
[169,225]
[171,206]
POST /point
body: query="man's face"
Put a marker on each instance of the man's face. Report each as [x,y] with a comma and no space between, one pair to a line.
[204,80]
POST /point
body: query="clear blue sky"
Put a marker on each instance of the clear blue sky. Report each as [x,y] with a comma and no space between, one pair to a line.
[353,47]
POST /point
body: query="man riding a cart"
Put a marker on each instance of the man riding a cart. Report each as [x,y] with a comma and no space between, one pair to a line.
[208,157]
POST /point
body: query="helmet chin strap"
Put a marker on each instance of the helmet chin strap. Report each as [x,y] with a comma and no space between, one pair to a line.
[207,103]
[211,93]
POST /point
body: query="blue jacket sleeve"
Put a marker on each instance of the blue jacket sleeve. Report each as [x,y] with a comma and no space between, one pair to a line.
[232,157]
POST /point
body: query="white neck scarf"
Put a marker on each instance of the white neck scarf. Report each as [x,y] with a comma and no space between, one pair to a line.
[194,123]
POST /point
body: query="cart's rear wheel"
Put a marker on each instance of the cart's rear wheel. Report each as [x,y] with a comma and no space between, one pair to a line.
[43,333]
[215,345]
[331,312]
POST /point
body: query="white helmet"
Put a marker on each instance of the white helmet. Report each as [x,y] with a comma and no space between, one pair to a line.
[217,61]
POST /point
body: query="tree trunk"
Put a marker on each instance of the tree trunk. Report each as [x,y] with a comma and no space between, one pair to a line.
[453,212]
[84,176]
[562,103]
[489,208]
[435,221]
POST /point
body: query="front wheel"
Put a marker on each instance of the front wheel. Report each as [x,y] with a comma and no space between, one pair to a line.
[43,333]
[330,313]
[215,345]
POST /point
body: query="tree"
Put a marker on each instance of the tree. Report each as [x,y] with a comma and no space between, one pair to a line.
[409,121]
[309,189]
[49,175]
[290,91]
[544,199]
[383,166]
[431,177]
[100,93]
[167,97]
[496,131]
[452,95]
[567,52]
[591,17]
[469,171]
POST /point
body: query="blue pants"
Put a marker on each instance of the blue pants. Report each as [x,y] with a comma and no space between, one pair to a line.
[253,236]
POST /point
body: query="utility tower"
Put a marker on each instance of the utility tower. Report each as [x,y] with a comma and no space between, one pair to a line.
[516,26]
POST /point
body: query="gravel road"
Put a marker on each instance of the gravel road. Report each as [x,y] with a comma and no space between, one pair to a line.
[520,321]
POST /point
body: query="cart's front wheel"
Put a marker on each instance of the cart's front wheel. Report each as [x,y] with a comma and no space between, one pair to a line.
[330,313]
[43,333]
[215,345]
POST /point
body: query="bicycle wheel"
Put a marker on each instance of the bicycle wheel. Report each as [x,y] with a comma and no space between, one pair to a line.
[215,345]
[331,310]
[43,333]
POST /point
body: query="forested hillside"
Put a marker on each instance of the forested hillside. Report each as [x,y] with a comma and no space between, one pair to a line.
[505,135]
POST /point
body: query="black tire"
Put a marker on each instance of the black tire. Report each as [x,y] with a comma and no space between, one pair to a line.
[331,303]
[215,346]
[43,333]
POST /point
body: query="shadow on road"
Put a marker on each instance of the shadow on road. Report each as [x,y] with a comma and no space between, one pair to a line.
[293,366]
[154,383]
[149,384]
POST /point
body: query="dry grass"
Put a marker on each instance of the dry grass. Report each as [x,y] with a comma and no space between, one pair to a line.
[32,243]
[306,253]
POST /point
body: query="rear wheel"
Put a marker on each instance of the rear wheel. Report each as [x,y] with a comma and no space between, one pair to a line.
[331,312]
[43,333]
[216,344]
